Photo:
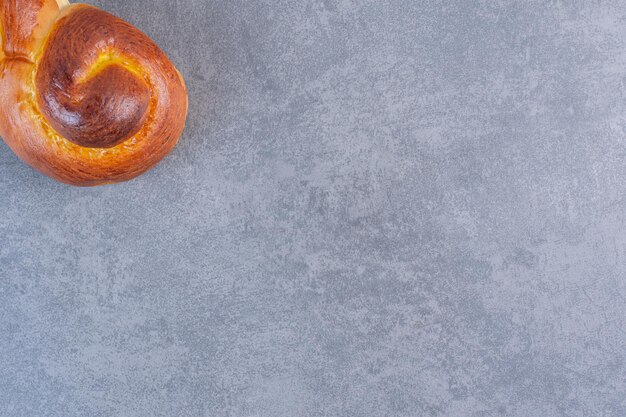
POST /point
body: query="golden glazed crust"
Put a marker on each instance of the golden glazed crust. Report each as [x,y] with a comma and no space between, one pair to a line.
[85,97]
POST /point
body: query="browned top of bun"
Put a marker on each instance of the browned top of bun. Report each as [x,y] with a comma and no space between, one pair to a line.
[85,97]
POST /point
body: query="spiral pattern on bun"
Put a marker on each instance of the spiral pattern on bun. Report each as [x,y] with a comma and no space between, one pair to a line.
[85,97]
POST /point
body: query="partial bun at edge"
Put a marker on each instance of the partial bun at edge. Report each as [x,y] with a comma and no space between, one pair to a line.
[89,99]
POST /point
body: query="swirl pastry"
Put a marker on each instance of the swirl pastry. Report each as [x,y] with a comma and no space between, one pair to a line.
[85,97]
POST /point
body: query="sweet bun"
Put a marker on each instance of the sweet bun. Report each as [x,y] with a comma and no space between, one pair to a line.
[85,97]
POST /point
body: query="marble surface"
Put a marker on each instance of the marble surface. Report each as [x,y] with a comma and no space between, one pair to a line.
[403,208]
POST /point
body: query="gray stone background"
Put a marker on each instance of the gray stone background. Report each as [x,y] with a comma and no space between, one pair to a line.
[378,208]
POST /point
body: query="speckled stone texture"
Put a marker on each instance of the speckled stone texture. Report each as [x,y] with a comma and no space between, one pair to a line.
[378,208]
